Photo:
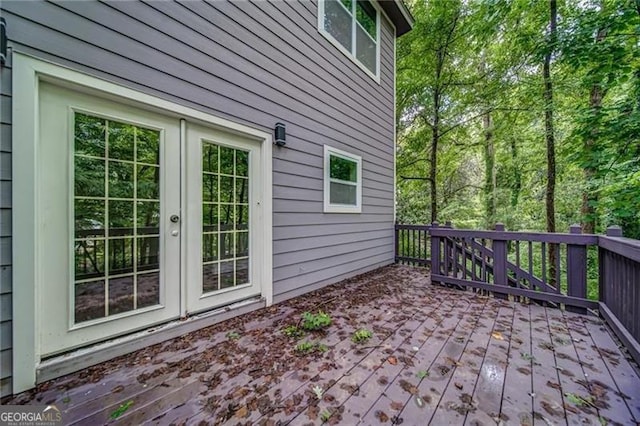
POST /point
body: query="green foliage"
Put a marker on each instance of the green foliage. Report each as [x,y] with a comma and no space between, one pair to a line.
[361,335]
[422,374]
[325,416]
[483,59]
[232,335]
[308,347]
[293,332]
[121,409]
[312,322]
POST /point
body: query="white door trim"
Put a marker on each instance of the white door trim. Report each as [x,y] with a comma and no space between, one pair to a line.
[27,73]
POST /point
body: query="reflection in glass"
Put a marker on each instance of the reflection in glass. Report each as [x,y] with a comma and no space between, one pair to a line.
[242,163]
[226,160]
[209,247]
[341,193]
[226,274]
[209,158]
[121,137]
[210,217]
[148,253]
[148,216]
[120,218]
[89,217]
[120,295]
[242,271]
[226,245]
[89,258]
[343,169]
[242,190]
[148,289]
[225,217]
[147,146]
[105,192]
[242,217]
[148,185]
[337,22]
[242,244]
[226,189]
[89,177]
[89,301]
[120,255]
[89,135]
[365,50]
[209,188]
[209,277]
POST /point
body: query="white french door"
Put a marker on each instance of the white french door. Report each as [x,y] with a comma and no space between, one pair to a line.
[120,218]
[223,203]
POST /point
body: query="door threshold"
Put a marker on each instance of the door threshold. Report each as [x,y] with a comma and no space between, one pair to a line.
[82,358]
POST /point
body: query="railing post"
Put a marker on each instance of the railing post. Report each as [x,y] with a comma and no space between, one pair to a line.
[396,242]
[435,252]
[500,261]
[576,271]
[614,231]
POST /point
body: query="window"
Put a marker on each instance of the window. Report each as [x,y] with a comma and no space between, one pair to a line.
[342,181]
[353,26]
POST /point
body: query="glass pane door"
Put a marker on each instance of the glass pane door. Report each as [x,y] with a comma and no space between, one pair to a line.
[225,217]
[117,212]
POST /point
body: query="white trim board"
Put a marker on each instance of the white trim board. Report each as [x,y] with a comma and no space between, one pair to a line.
[27,73]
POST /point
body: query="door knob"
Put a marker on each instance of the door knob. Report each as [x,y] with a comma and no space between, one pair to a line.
[174,218]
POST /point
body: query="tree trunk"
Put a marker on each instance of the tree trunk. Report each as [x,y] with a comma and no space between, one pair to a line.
[490,171]
[517,175]
[435,136]
[550,138]
[590,169]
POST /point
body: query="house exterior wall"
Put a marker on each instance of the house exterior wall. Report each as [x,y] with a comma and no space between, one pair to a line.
[255,63]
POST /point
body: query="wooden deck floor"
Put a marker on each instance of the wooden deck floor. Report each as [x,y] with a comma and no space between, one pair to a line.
[438,356]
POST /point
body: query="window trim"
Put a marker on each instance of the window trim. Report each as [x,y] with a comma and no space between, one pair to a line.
[341,208]
[354,23]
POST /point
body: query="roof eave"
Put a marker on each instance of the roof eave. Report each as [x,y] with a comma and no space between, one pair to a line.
[399,15]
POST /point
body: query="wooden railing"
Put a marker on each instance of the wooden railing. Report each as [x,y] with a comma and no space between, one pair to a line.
[537,266]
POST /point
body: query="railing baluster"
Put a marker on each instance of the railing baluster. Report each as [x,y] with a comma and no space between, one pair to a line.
[531,284]
[558,277]
[518,264]
[544,265]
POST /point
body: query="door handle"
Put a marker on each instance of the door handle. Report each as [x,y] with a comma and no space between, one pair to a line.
[174,218]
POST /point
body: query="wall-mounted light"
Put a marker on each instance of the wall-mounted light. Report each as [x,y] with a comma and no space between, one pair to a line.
[280,134]
[3,41]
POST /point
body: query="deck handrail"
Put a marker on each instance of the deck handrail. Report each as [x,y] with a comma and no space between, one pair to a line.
[539,266]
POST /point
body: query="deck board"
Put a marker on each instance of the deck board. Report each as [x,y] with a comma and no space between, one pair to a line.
[517,404]
[438,356]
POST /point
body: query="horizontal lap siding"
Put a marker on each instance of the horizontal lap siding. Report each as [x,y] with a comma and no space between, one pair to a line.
[6,331]
[255,63]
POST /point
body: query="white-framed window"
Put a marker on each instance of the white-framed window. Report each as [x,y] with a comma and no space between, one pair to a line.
[353,26]
[342,181]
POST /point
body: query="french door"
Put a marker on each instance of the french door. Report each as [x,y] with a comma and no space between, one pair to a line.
[132,234]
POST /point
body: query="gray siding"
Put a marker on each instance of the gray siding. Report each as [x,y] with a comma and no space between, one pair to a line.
[6,331]
[255,63]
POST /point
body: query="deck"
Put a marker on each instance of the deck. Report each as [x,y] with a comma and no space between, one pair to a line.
[437,356]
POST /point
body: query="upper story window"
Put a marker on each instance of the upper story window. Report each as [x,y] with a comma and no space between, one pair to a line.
[354,27]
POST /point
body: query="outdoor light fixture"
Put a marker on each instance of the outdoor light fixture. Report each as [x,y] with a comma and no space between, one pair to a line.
[3,40]
[280,134]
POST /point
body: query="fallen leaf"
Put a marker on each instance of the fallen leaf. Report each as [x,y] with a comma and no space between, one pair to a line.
[117,389]
[395,405]
[458,385]
[497,335]
[392,360]
[382,416]
[242,412]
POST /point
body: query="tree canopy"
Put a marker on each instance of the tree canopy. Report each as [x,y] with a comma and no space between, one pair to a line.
[476,114]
